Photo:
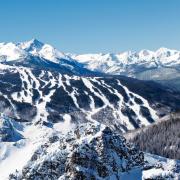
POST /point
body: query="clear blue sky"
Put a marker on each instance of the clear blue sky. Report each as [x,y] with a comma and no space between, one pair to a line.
[87,26]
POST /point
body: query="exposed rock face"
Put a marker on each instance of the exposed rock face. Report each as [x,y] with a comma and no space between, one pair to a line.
[105,155]
[91,151]
[88,151]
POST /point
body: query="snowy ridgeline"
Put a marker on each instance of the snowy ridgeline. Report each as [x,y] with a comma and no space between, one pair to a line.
[86,151]
[163,64]
[107,63]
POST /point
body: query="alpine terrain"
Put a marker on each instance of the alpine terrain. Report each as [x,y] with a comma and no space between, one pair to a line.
[64,116]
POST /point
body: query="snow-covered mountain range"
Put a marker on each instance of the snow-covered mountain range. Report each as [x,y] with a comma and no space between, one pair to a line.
[162,65]
[31,94]
[62,114]
[107,63]
[123,62]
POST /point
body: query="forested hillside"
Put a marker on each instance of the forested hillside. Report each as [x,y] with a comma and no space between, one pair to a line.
[162,139]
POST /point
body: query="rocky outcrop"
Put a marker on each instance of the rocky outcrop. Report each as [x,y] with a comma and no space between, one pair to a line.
[91,151]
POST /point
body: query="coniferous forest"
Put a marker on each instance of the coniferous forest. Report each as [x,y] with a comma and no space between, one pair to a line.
[161,139]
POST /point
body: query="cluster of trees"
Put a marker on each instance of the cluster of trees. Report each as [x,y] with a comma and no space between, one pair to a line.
[161,139]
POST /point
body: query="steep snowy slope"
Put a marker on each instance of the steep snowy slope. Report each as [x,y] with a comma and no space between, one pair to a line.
[29,94]
[87,151]
[158,167]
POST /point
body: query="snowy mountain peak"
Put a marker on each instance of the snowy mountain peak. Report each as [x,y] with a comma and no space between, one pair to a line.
[46,51]
[31,46]
[30,49]
[35,42]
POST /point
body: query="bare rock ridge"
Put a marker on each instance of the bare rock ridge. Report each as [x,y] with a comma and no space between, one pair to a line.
[90,151]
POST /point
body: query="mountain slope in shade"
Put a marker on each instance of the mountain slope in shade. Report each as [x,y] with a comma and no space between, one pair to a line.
[161,138]
[41,96]
[34,89]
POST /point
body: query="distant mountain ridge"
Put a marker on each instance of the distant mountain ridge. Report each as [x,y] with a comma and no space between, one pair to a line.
[119,63]
[105,62]
[162,65]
